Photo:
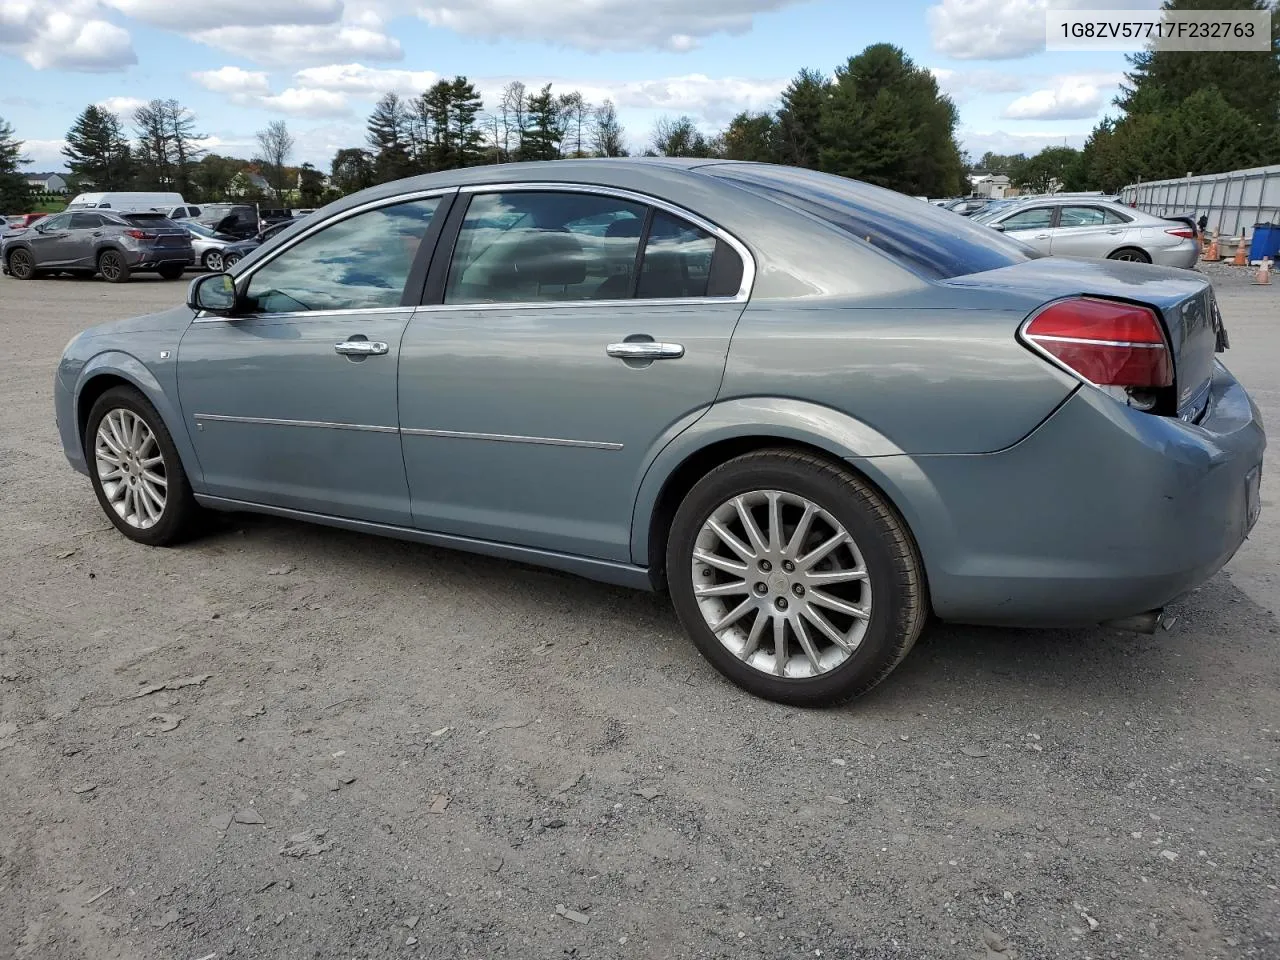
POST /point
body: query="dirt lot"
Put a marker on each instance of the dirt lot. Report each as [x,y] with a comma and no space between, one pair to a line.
[481,743]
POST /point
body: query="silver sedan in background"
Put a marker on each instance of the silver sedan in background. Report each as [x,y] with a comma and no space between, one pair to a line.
[1076,227]
[210,247]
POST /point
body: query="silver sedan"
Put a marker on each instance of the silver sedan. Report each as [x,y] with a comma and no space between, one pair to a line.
[210,246]
[1076,227]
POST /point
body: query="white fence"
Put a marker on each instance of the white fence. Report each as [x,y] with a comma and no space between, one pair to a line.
[1231,201]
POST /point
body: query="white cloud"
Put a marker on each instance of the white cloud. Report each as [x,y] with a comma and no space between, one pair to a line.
[1071,97]
[677,25]
[63,35]
[177,15]
[285,46]
[369,82]
[125,107]
[252,88]
[44,154]
[962,85]
[1002,29]
[999,141]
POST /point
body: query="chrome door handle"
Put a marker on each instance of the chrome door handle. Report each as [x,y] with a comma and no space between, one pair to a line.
[1042,236]
[645,350]
[360,348]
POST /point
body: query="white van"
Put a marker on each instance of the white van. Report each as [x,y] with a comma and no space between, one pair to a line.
[126,202]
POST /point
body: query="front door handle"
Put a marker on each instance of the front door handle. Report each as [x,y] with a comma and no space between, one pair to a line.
[360,348]
[645,350]
[1042,236]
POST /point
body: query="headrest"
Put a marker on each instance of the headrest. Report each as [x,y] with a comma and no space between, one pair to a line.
[548,257]
[626,227]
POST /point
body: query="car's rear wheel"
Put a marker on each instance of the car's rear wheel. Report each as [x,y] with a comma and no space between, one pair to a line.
[173,272]
[213,260]
[112,266]
[1131,255]
[136,472]
[22,266]
[795,578]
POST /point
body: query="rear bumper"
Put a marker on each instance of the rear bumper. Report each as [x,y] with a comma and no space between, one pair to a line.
[1185,255]
[1101,513]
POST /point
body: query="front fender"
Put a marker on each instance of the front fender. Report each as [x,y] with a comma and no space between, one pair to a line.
[119,363]
[770,418]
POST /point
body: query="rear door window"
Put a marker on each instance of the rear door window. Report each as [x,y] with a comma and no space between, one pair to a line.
[1038,218]
[1081,217]
[86,221]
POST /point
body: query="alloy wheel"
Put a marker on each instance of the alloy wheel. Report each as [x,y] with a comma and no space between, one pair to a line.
[781,584]
[213,261]
[131,468]
[110,266]
[21,265]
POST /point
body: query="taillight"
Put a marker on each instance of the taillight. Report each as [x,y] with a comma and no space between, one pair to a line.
[139,234]
[1109,344]
[1186,233]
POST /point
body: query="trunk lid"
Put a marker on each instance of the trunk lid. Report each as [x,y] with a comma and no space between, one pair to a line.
[1184,300]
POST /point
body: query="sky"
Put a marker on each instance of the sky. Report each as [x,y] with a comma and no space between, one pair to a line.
[320,64]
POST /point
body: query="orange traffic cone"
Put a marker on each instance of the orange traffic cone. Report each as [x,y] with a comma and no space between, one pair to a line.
[1264,272]
[1240,259]
[1213,255]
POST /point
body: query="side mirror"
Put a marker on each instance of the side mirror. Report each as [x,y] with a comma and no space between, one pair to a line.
[998,226]
[212,293]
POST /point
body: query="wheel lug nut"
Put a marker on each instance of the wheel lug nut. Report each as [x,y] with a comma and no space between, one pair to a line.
[782,603]
[766,566]
[761,588]
[788,566]
[798,590]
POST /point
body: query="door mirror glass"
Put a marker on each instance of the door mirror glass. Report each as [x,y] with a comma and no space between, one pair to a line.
[214,293]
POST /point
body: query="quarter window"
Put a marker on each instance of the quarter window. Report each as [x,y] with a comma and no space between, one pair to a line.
[527,246]
[358,263]
[1037,219]
[1114,217]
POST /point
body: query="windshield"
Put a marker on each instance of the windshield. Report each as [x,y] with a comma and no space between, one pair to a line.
[199,229]
[931,242]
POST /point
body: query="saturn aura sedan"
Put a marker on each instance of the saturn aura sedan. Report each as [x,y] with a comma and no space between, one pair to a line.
[814,411]
[1093,227]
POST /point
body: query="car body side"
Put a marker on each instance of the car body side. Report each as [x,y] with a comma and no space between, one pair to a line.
[1017,482]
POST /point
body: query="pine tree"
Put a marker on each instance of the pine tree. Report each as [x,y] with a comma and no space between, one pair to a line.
[544,127]
[14,193]
[388,129]
[351,170]
[606,132]
[153,152]
[800,118]
[185,143]
[464,113]
[97,152]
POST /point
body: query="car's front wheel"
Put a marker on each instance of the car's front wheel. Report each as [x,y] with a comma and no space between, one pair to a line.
[112,266]
[795,578]
[136,472]
[22,266]
[213,261]
[230,260]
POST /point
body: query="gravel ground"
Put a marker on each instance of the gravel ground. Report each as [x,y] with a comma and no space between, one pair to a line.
[374,749]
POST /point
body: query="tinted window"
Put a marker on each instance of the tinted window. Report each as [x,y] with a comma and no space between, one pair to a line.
[929,241]
[149,219]
[361,262]
[1081,217]
[526,246]
[60,222]
[677,259]
[193,211]
[1038,218]
[86,221]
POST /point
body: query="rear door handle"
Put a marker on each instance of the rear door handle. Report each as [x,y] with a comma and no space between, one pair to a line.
[360,348]
[1042,236]
[645,350]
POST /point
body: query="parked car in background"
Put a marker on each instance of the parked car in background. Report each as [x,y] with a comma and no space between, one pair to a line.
[967,206]
[92,241]
[242,248]
[182,212]
[125,202]
[22,220]
[1070,227]
[815,411]
[238,220]
[210,247]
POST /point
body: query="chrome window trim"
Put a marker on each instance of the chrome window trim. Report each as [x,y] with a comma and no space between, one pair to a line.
[509,438]
[302,314]
[274,422]
[621,193]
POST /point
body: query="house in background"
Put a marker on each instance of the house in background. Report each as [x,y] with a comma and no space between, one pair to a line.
[47,182]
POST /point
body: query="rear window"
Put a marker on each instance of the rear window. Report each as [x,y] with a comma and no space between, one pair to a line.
[931,242]
[149,219]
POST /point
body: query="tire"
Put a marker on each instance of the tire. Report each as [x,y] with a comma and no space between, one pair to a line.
[1130,254]
[230,260]
[179,514]
[891,600]
[112,266]
[214,262]
[171,273]
[22,265]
